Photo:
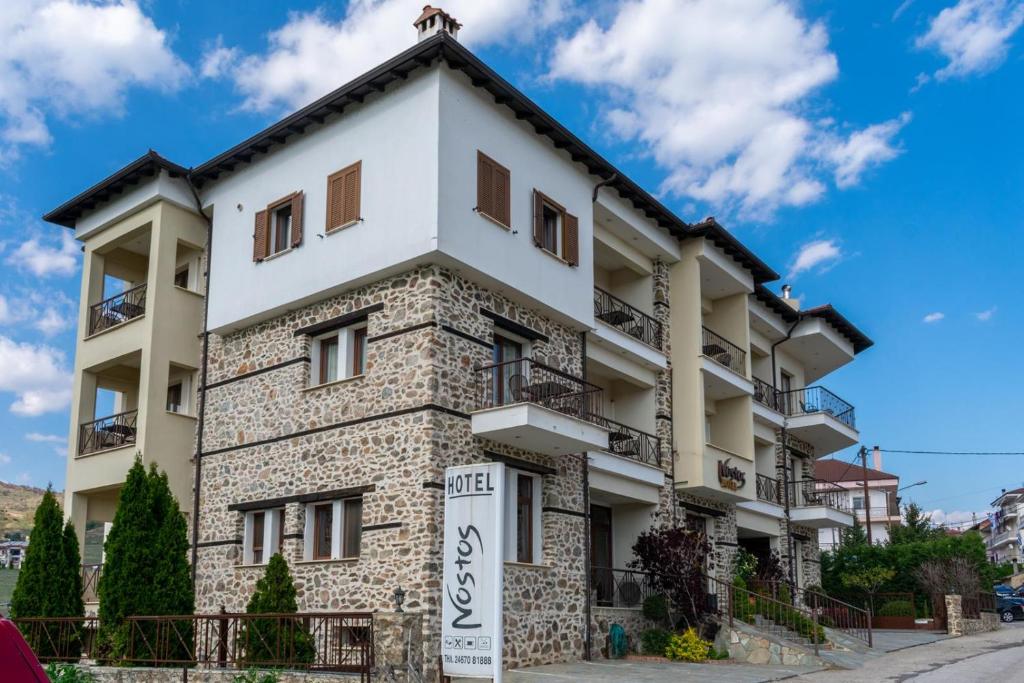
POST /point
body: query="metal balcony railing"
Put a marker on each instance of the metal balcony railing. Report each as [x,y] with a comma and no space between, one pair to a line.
[622,316]
[723,351]
[119,309]
[814,492]
[629,442]
[524,380]
[768,489]
[620,587]
[107,432]
[766,394]
[91,582]
[817,400]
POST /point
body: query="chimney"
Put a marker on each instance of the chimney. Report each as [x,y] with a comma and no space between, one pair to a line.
[787,296]
[435,20]
[876,454]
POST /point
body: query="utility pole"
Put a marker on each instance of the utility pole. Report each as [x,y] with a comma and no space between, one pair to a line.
[867,498]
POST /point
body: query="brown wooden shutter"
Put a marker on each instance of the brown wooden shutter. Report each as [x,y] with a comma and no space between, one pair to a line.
[353,188]
[538,218]
[502,195]
[571,239]
[260,237]
[297,200]
[484,185]
[343,189]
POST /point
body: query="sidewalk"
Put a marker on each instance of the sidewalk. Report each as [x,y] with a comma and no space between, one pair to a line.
[623,671]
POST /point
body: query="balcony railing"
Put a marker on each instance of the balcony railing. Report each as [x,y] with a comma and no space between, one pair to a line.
[91,582]
[723,351]
[622,316]
[524,380]
[107,432]
[814,492]
[620,587]
[766,394]
[768,489]
[817,400]
[629,442]
[126,306]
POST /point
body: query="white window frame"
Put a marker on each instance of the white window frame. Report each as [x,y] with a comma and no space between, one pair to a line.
[271,248]
[559,228]
[271,534]
[511,504]
[346,354]
[337,530]
[185,408]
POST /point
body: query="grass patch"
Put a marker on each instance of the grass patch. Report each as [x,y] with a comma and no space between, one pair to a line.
[8,577]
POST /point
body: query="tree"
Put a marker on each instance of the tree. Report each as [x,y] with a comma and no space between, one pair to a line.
[869,580]
[50,582]
[674,558]
[916,526]
[275,641]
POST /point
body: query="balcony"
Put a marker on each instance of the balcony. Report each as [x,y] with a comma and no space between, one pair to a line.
[526,404]
[723,351]
[117,310]
[106,433]
[765,394]
[819,417]
[631,443]
[769,490]
[819,504]
[724,367]
[615,312]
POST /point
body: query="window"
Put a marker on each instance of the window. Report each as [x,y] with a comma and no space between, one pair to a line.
[334,529]
[278,228]
[264,535]
[554,229]
[179,384]
[174,395]
[493,190]
[522,517]
[339,354]
[343,196]
[282,228]
[858,502]
[181,277]
[509,376]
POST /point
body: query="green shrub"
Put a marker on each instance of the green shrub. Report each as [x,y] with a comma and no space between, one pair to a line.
[717,654]
[688,647]
[654,641]
[274,640]
[68,673]
[257,676]
[656,608]
[896,608]
[785,595]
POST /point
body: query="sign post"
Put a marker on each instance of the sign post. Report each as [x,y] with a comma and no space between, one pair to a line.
[473,578]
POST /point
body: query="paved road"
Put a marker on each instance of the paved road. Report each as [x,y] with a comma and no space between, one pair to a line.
[986,657]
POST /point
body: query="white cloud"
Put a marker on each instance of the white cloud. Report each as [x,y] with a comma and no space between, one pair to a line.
[719,93]
[819,253]
[36,375]
[58,443]
[974,35]
[5,459]
[74,58]
[933,317]
[986,315]
[958,518]
[311,54]
[51,322]
[43,260]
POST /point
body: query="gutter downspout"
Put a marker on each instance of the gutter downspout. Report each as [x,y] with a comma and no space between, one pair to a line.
[608,181]
[203,374]
[790,548]
[588,636]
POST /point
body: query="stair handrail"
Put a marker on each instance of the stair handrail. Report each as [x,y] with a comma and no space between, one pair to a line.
[856,621]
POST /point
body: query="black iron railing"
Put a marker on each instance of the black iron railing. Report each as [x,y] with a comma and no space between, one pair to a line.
[60,639]
[768,489]
[723,351]
[524,380]
[108,432]
[620,587]
[815,492]
[766,394]
[118,309]
[817,400]
[620,315]
[91,582]
[629,442]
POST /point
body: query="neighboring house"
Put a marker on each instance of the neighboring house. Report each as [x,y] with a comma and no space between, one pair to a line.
[882,504]
[12,553]
[423,269]
[1004,540]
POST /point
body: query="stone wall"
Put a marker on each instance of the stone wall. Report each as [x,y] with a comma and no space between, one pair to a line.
[632,621]
[959,625]
[747,645]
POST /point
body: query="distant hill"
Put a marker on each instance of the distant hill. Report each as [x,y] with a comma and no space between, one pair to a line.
[18,505]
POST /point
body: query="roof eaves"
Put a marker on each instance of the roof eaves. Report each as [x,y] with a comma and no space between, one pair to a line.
[829,314]
[724,240]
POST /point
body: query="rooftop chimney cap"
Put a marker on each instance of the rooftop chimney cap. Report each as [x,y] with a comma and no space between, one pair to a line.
[435,20]
[786,291]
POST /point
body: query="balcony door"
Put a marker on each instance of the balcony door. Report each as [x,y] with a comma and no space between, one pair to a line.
[601,554]
[509,376]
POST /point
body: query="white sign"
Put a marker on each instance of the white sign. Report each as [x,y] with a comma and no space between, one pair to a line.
[473,579]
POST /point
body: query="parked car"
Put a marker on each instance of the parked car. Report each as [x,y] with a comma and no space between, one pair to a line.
[1002,589]
[1010,607]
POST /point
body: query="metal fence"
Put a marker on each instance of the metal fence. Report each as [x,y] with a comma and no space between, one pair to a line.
[629,442]
[118,309]
[817,400]
[723,351]
[766,394]
[91,582]
[634,322]
[620,587]
[973,605]
[524,380]
[108,432]
[814,492]
[768,489]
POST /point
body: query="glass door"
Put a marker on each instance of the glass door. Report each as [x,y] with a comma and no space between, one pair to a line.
[601,554]
[509,375]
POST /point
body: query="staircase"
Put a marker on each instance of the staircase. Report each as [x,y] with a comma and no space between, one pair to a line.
[782,632]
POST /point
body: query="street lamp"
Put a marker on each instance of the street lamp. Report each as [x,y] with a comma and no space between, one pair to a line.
[902,488]
[910,486]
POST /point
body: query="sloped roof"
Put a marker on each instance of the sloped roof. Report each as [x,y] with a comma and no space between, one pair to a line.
[837,471]
[828,313]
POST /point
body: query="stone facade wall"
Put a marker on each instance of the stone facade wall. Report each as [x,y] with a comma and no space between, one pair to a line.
[632,621]
[745,644]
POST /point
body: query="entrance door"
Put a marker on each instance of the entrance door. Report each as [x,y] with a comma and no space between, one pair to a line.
[509,376]
[602,577]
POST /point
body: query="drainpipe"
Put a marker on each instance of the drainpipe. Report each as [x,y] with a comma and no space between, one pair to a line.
[790,548]
[608,181]
[588,637]
[203,373]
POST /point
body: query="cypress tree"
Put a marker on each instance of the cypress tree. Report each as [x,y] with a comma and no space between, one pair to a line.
[267,641]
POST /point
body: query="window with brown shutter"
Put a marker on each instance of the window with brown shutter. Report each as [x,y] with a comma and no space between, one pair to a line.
[554,229]
[278,227]
[493,190]
[343,200]
[259,237]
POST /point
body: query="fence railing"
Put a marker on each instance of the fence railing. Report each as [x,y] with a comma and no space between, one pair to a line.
[336,642]
[764,612]
[107,432]
[723,351]
[766,394]
[769,489]
[91,582]
[814,492]
[620,587]
[817,400]
[838,615]
[524,380]
[118,309]
[973,605]
[620,315]
[629,442]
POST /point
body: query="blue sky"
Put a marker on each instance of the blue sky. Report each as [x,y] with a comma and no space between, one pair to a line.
[868,151]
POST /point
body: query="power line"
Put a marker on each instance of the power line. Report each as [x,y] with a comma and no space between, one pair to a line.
[893,450]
